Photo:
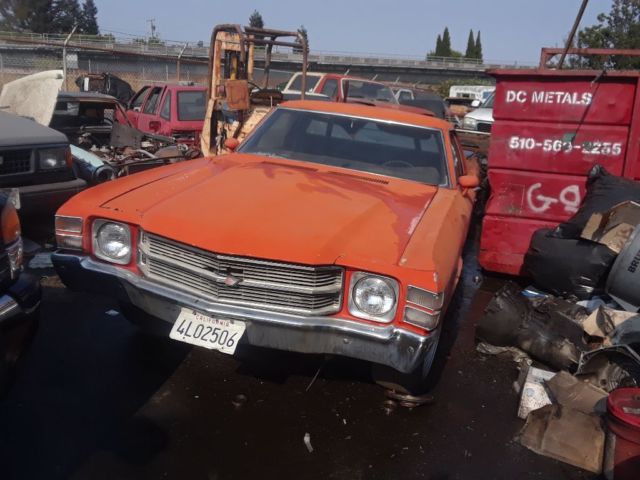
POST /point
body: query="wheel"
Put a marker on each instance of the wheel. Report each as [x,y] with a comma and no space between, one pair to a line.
[415,383]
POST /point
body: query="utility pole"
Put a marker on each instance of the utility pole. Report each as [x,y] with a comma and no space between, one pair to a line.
[152,26]
[64,55]
[179,58]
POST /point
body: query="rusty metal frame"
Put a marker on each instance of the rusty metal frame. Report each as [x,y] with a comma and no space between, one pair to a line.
[547,54]
[263,37]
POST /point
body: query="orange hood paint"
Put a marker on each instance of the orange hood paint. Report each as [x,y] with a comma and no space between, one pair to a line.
[279,209]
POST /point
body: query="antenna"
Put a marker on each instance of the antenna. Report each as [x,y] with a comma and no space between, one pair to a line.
[152,26]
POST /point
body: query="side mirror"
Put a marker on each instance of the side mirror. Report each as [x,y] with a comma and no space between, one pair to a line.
[469,181]
[231,144]
[476,103]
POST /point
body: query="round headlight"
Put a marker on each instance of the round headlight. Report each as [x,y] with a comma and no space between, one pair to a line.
[114,241]
[374,296]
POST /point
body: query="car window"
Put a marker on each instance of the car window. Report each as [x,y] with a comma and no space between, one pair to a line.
[405,96]
[166,107]
[312,81]
[364,144]
[457,158]
[489,102]
[191,105]
[152,103]
[329,88]
[136,102]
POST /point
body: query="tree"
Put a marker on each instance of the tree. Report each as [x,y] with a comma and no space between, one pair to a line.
[27,15]
[620,28]
[255,20]
[446,43]
[89,18]
[438,51]
[67,13]
[478,52]
[304,34]
[471,46]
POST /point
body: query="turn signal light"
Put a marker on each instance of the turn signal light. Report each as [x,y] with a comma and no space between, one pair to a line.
[10,224]
[69,232]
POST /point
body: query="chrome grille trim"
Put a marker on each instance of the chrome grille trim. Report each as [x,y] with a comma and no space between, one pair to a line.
[264,284]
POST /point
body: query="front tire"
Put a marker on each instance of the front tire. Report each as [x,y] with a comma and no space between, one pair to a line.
[415,383]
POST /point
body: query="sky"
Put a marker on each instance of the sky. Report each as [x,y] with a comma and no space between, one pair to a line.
[512,30]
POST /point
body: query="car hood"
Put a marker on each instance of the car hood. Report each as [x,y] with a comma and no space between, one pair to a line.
[281,210]
[481,114]
[33,96]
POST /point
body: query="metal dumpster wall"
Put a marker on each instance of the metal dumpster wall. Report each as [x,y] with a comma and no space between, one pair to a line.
[550,128]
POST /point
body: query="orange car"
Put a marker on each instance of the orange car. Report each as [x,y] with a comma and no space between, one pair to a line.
[332,228]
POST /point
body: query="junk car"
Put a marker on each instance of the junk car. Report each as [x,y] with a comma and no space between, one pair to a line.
[37,161]
[333,228]
[20,294]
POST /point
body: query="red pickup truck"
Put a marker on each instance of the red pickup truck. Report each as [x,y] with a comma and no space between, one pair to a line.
[345,88]
[173,110]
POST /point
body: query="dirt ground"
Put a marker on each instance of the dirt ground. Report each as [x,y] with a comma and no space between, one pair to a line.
[96,399]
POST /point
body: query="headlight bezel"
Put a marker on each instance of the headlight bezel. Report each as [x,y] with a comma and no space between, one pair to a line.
[98,251]
[354,309]
[61,159]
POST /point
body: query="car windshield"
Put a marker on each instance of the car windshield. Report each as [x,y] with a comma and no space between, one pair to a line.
[361,90]
[191,105]
[364,144]
[489,102]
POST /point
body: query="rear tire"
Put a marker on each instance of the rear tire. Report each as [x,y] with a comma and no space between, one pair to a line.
[414,383]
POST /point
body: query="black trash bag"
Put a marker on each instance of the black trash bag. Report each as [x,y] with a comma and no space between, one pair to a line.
[604,191]
[568,267]
[549,329]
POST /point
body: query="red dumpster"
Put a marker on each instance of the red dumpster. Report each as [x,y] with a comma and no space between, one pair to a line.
[551,127]
[622,457]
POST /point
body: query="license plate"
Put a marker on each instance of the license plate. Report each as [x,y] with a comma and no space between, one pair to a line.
[212,333]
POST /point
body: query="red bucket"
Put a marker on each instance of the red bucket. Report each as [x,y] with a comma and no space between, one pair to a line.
[622,456]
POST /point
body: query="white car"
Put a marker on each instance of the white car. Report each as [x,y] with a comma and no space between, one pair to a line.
[480,119]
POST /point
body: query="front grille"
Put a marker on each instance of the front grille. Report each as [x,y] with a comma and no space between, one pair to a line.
[262,284]
[15,161]
[484,127]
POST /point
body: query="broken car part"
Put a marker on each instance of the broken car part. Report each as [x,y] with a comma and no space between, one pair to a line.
[545,328]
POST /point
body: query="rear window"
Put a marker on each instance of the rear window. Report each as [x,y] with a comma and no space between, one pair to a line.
[191,106]
[311,83]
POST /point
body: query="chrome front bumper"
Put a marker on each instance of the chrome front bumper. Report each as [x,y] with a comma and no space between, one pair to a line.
[384,344]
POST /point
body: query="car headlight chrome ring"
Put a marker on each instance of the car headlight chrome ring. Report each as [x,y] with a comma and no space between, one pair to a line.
[373,297]
[112,241]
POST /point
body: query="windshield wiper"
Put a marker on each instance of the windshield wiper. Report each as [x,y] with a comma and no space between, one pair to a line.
[269,154]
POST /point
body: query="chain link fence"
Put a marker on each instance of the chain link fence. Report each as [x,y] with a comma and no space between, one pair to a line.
[137,70]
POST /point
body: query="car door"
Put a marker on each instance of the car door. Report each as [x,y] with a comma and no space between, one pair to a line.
[135,105]
[148,120]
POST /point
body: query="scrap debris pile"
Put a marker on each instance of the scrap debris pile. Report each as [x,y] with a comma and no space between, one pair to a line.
[575,333]
[142,153]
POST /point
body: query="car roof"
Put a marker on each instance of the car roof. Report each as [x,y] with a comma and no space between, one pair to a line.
[90,96]
[177,86]
[17,131]
[341,76]
[367,111]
